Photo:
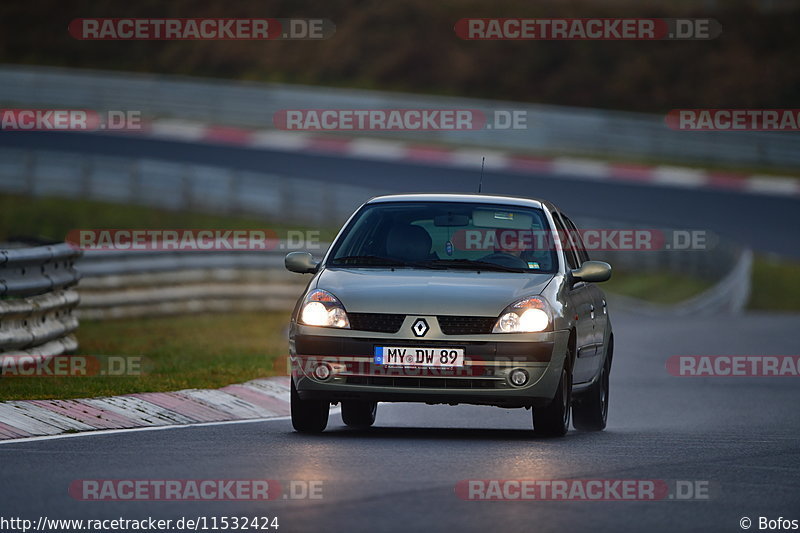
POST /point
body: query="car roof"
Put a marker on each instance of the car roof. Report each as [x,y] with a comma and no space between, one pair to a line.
[463,197]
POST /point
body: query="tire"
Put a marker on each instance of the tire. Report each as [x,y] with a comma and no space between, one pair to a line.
[591,411]
[359,414]
[309,416]
[553,419]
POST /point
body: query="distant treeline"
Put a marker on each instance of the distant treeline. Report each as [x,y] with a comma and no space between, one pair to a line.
[411,46]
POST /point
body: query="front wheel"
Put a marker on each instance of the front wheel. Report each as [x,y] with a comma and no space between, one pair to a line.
[553,419]
[359,414]
[309,416]
[591,411]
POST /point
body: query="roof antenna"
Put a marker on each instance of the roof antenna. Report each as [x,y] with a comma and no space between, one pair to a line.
[480,183]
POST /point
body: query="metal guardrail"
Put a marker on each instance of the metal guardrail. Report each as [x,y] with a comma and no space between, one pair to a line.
[728,296]
[36,301]
[120,284]
[725,264]
[712,262]
[27,271]
[550,129]
[121,262]
[178,186]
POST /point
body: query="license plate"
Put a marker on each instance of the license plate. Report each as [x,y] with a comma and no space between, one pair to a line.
[431,357]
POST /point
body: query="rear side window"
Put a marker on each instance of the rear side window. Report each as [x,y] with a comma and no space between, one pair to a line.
[576,240]
[569,253]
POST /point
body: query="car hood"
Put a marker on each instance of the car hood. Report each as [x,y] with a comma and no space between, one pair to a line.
[429,292]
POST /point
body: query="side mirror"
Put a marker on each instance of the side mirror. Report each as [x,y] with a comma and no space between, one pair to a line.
[594,271]
[300,262]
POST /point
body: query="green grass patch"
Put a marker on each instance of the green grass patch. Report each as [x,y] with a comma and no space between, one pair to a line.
[664,288]
[194,351]
[775,285]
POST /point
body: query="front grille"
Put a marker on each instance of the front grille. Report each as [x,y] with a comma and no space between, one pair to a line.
[423,383]
[380,322]
[450,325]
[466,325]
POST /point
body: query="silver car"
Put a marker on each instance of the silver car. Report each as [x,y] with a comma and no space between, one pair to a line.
[447,299]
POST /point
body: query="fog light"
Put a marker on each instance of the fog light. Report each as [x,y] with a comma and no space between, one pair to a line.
[518,377]
[322,372]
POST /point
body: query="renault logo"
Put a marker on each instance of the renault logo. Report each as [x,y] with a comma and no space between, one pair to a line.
[420,327]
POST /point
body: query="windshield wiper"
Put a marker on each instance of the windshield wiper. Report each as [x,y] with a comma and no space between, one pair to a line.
[375,260]
[475,264]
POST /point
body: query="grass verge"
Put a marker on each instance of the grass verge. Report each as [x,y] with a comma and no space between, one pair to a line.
[664,288]
[776,285]
[194,351]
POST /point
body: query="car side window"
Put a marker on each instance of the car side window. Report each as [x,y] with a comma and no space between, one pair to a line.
[576,239]
[569,253]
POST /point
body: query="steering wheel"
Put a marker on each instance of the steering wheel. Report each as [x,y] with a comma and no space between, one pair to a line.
[505,259]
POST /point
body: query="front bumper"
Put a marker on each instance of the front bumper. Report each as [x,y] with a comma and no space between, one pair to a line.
[482,380]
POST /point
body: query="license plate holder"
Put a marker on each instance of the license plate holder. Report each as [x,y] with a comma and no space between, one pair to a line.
[416,356]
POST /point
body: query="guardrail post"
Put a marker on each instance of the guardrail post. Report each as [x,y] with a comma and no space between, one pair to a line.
[287,199]
[86,177]
[30,173]
[329,202]
[135,182]
[186,188]
[234,186]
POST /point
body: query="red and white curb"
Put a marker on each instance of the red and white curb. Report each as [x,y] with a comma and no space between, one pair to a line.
[393,150]
[257,399]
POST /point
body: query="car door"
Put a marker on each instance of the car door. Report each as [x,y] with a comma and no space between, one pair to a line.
[598,305]
[579,295]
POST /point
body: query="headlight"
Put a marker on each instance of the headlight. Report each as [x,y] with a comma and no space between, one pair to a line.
[528,315]
[321,308]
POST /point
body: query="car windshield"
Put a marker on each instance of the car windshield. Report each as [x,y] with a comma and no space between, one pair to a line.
[447,235]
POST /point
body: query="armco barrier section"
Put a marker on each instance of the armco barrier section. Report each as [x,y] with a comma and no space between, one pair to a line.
[121,284]
[36,299]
